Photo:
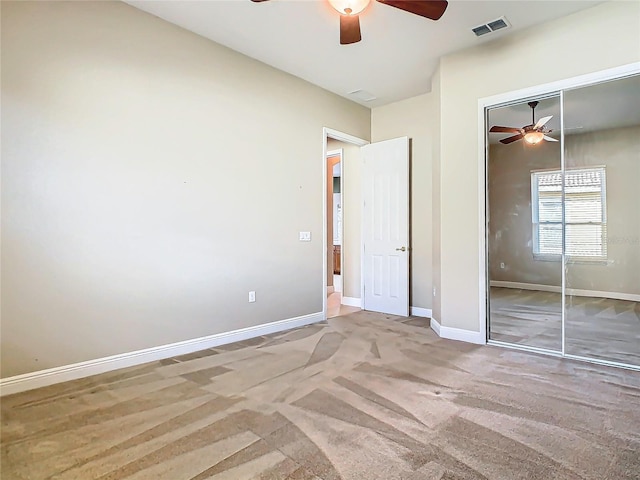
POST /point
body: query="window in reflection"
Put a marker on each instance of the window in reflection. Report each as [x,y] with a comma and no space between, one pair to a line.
[585,213]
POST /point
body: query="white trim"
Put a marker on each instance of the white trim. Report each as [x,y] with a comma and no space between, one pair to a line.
[343,137]
[461,335]
[563,252]
[483,147]
[351,302]
[526,286]
[578,292]
[43,378]
[435,326]
[342,182]
[421,312]
[565,84]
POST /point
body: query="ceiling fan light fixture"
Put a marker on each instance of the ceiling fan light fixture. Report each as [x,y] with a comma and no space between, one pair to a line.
[532,138]
[349,7]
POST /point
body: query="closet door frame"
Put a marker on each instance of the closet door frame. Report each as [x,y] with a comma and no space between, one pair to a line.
[556,88]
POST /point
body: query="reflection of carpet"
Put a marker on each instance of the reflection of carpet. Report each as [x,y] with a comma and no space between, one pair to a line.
[595,327]
[366,396]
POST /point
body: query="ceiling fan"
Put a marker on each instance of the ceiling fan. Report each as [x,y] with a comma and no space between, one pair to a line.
[532,134]
[349,10]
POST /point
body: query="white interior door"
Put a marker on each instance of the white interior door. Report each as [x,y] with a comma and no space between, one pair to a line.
[385,226]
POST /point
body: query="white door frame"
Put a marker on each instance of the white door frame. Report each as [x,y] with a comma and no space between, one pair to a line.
[343,137]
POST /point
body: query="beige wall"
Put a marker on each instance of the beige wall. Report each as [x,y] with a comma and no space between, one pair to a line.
[414,118]
[510,230]
[351,216]
[604,36]
[619,151]
[150,179]
[510,226]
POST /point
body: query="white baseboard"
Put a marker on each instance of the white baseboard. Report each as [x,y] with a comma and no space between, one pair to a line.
[526,286]
[451,333]
[43,378]
[435,326]
[578,292]
[421,312]
[352,302]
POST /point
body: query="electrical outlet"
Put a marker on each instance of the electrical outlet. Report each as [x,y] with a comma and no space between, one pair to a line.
[434,291]
[501,264]
[252,296]
[305,236]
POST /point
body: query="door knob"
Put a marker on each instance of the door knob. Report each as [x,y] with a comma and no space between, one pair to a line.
[401,249]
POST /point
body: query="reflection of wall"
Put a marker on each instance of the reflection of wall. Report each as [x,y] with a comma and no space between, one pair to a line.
[510,232]
[510,235]
[619,150]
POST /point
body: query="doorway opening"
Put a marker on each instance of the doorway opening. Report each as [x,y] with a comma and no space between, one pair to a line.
[374,250]
[334,221]
[341,226]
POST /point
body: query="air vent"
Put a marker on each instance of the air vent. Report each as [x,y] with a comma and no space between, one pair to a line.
[490,27]
[363,95]
[481,30]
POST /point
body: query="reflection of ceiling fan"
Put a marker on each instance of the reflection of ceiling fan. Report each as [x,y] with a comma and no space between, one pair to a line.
[349,10]
[532,134]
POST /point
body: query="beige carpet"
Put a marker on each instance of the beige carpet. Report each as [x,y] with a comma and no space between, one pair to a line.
[363,397]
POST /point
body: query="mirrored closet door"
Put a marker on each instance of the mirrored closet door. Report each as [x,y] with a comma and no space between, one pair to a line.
[563,223]
[525,225]
[602,221]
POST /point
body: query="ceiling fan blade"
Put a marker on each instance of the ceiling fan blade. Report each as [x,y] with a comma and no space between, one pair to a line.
[432,9]
[549,139]
[349,29]
[498,129]
[542,121]
[508,140]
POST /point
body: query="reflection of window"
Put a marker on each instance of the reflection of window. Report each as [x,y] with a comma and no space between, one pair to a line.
[584,212]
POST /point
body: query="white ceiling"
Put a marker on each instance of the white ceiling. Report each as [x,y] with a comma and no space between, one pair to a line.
[398,53]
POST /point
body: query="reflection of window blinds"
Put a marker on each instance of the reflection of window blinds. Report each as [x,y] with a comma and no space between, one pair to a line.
[585,212]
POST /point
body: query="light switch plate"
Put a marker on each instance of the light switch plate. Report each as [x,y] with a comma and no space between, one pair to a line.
[305,236]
